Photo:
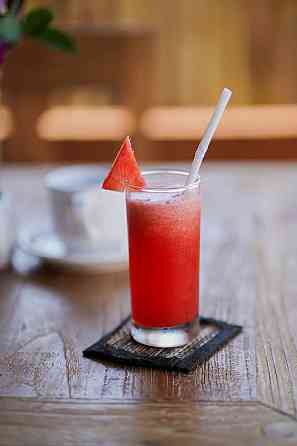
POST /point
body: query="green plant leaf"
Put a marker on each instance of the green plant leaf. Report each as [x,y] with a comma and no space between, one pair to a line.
[36,21]
[58,39]
[10,30]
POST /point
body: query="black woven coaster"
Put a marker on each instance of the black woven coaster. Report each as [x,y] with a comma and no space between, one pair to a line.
[119,346]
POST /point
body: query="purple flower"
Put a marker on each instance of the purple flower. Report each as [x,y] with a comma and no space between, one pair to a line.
[3,9]
[3,49]
[2,6]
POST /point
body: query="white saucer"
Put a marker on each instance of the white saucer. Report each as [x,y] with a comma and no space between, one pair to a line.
[44,243]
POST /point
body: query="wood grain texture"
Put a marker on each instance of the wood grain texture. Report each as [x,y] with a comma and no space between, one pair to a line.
[142,424]
[276,248]
[133,89]
[223,150]
[205,45]
[63,314]
[248,271]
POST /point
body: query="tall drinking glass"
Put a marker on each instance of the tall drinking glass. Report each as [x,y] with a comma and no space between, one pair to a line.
[164,245]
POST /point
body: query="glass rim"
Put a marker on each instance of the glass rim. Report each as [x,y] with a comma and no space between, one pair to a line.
[160,188]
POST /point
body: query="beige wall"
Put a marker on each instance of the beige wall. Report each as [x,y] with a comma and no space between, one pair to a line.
[248,45]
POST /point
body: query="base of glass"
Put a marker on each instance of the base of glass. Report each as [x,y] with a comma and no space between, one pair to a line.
[166,337]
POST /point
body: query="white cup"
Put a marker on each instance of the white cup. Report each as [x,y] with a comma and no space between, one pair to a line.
[84,215]
[7,230]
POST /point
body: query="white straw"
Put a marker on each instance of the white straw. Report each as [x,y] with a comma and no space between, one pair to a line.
[208,134]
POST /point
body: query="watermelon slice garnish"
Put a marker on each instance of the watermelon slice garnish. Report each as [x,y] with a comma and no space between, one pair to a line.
[124,170]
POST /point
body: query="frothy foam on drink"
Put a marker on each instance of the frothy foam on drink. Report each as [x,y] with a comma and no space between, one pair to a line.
[157,212]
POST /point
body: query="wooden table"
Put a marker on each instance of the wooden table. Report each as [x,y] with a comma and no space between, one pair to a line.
[245,394]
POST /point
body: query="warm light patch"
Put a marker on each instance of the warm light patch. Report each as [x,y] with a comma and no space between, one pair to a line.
[67,123]
[244,122]
[6,123]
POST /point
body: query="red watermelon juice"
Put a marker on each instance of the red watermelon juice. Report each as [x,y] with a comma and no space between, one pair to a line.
[164,238]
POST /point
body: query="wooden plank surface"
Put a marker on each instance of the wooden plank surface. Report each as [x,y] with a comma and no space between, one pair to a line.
[204,45]
[276,245]
[248,274]
[240,150]
[142,424]
[60,315]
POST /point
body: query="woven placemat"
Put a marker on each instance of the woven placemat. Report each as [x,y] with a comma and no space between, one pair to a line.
[118,346]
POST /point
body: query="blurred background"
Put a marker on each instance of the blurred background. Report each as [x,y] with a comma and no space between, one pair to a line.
[154,70]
